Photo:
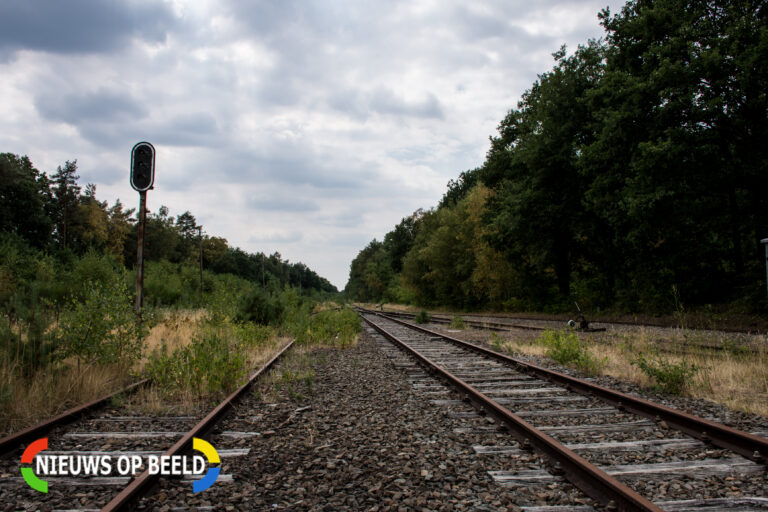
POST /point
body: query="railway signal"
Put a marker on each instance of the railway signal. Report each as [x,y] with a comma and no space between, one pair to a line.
[142,179]
[142,166]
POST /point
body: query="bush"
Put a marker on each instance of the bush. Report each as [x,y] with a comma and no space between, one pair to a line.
[331,327]
[422,317]
[669,377]
[567,349]
[261,307]
[458,322]
[104,328]
[209,364]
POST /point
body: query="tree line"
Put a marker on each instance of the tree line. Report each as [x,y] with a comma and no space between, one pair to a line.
[631,175]
[52,218]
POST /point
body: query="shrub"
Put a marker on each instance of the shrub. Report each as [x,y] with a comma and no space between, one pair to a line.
[458,322]
[669,377]
[422,317]
[567,349]
[209,364]
[338,328]
[261,307]
[104,328]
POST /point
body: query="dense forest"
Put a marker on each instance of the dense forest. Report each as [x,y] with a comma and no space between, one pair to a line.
[631,176]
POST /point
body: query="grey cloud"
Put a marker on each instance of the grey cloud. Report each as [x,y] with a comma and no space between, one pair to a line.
[285,202]
[384,101]
[102,104]
[192,129]
[80,26]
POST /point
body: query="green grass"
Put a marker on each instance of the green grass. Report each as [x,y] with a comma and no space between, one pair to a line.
[337,328]
[669,377]
[567,349]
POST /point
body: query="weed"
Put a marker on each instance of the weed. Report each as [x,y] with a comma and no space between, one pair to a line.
[496,342]
[209,364]
[567,349]
[458,322]
[335,328]
[669,377]
[422,317]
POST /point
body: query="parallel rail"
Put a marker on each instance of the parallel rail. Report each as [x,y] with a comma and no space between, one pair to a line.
[591,480]
[143,483]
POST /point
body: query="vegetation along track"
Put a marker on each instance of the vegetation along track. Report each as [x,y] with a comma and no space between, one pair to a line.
[114,435]
[506,324]
[619,449]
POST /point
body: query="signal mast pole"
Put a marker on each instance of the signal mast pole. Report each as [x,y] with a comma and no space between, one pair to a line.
[142,179]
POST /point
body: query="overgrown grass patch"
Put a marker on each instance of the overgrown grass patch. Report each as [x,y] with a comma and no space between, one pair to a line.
[337,328]
[566,348]
[668,376]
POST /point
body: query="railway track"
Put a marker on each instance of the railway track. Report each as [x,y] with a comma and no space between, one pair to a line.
[493,324]
[531,321]
[618,449]
[107,435]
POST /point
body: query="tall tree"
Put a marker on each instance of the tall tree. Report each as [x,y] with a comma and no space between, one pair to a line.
[65,193]
[25,200]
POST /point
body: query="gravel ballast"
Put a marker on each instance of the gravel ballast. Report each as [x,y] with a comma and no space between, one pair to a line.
[364,438]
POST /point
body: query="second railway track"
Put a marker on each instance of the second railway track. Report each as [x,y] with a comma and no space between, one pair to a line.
[98,434]
[618,449]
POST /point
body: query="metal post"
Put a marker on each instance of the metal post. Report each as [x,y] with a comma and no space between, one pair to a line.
[200,234]
[764,241]
[140,253]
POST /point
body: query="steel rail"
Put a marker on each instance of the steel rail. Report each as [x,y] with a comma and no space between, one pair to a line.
[14,441]
[481,324]
[143,483]
[508,327]
[745,444]
[590,479]
[668,325]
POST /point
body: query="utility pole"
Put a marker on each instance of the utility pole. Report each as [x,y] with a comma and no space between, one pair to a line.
[200,235]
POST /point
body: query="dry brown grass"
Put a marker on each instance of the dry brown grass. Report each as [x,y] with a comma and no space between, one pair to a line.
[51,391]
[733,378]
[175,329]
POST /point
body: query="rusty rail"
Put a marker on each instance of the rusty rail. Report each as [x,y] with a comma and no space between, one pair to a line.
[745,444]
[590,479]
[14,441]
[143,483]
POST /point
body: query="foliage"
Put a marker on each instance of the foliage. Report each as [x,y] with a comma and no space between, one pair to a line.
[567,349]
[261,307]
[669,377]
[209,364]
[627,170]
[104,328]
[338,328]
[422,317]
[457,322]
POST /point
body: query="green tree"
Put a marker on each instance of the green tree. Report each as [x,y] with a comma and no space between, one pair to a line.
[25,200]
[66,195]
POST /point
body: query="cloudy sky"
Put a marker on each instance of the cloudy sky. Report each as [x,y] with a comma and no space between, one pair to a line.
[304,127]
